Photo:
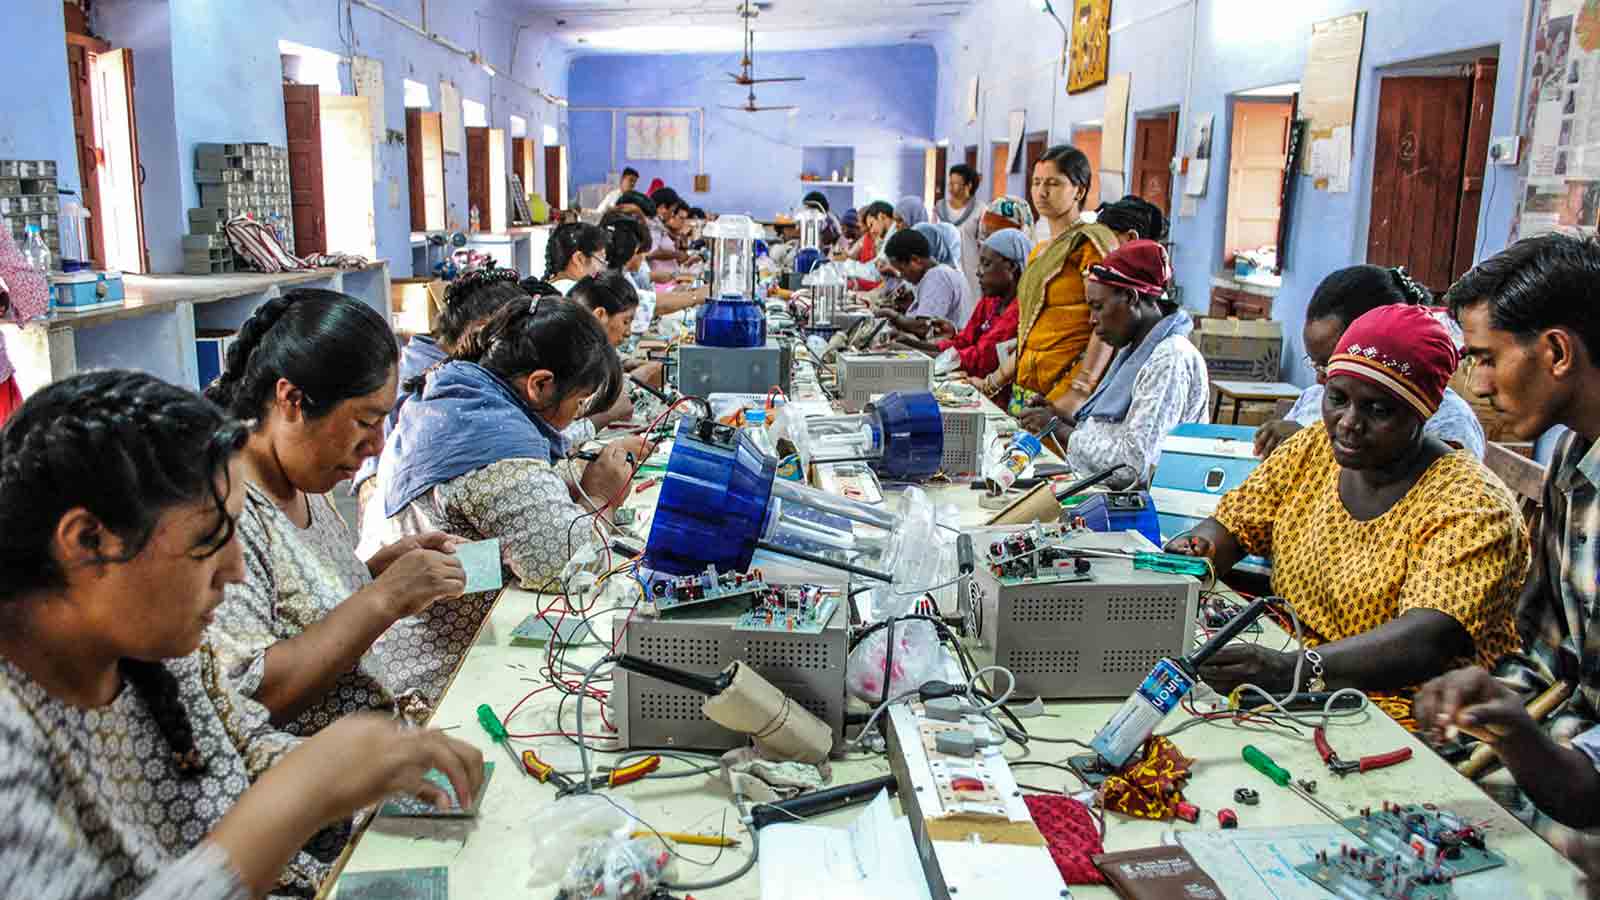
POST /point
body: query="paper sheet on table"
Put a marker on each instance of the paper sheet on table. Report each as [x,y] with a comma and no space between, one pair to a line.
[1258,863]
[481,559]
[875,857]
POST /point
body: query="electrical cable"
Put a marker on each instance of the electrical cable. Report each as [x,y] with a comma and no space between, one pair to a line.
[1011,688]
[755,850]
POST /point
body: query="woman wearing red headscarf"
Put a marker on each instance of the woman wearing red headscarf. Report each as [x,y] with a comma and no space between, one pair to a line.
[1402,556]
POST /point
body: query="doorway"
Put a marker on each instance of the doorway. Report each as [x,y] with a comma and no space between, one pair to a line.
[941,171]
[999,165]
[1088,141]
[347,167]
[1257,156]
[1033,149]
[555,178]
[1427,172]
[107,142]
[331,160]
[1155,143]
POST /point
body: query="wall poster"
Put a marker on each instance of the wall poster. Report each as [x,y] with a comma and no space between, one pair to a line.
[1091,44]
[1562,167]
[658,137]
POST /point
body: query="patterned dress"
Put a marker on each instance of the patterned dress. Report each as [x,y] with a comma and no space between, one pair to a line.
[294,578]
[95,808]
[1454,543]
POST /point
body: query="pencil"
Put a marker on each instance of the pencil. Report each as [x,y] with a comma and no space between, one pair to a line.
[696,840]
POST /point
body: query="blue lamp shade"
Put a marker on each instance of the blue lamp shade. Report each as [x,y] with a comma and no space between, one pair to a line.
[731,320]
[713,504]
[912,435]
[806,260]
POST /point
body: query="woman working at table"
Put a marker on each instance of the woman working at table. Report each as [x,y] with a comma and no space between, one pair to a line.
[476,452]
[1402,556]
[129,765]
[994,321]
[314,632]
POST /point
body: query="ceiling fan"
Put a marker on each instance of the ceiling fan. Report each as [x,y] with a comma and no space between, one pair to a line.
[746,77]
[750,104]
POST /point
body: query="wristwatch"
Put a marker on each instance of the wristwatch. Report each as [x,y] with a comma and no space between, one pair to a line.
[1316,683]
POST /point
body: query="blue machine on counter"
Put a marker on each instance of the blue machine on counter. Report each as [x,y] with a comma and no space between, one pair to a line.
[1200,463]
[901,436]
[720,504]
[1118,511]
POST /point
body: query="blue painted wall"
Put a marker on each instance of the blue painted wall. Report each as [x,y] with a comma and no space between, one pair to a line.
[879,100]
[1014,48]
[38,108]
[209,70]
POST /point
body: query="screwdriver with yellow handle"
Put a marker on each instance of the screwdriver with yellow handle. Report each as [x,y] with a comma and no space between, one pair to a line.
[1280,776]
[497,733]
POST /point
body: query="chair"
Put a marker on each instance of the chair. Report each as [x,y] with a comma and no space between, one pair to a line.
[1523,476]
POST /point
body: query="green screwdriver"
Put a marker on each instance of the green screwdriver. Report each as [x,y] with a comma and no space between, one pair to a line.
[497,731]
[1280,776]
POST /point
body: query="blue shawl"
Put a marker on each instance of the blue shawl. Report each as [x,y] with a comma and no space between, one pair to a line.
[465,419]
[418,356]
[1111,400]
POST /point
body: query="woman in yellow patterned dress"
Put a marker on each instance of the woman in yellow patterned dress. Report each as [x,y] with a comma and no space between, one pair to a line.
[1402,556]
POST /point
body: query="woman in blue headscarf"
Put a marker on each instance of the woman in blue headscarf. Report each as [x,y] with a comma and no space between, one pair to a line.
[910,212]
[994,321]
[945,239]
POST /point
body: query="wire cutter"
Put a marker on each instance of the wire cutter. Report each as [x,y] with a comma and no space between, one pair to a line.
[547,774]
[1342,768]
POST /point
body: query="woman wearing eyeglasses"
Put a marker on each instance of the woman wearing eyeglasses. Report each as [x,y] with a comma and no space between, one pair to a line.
[1340,299]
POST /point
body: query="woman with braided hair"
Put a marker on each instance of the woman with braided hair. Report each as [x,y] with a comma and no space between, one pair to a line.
[478,452]
[466,302]
[576,251]
[1340,299]
[313,632]
[129,766]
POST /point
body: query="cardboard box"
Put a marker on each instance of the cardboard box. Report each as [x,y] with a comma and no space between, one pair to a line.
[1239,349]
[416,303]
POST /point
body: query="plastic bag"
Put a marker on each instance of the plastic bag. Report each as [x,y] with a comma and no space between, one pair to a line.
[616,870]
[947,362]
[573,821]
[917,660]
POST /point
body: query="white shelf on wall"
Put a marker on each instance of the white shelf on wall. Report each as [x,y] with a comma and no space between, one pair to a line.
[154,328]
[813,181]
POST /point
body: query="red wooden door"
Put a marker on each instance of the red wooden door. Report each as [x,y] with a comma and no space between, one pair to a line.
[1155,142]
[1417,169]
[1476,159]
[80,73]
[478,177]
[1088,140]
[553,177]
[302,117]
[941,166]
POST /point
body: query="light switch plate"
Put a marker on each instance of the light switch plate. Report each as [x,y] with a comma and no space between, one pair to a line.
[1503,150]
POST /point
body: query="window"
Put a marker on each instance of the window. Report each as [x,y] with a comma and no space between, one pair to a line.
[551,136]
[474,114]
[1256,159]
[309,65]
[417,95]
[519,127]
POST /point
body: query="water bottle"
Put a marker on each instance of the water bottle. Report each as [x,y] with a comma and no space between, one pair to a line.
[472,218]
[36,252]
[1024,448]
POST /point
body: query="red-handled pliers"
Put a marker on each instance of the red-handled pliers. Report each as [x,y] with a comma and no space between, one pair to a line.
[1342,768]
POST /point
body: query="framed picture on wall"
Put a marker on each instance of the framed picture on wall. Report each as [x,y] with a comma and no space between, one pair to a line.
[1091,44]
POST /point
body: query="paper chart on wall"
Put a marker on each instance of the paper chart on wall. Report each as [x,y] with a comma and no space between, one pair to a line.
[658,137]
[1328,96]
[1562,191]
[1115,130]
[450,119]
[367,74]
[1197,155]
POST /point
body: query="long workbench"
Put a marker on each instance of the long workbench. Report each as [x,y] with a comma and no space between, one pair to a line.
[492,856]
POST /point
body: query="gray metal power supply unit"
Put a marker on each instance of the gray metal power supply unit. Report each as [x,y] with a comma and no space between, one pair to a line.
[964,433]
[733,370]
[1065,638]
[650,713]
[863,376]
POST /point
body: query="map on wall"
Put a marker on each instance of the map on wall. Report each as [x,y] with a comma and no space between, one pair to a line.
[1562,168]
[658,137]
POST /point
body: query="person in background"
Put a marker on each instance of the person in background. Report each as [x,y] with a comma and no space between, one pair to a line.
[910,211]
[1340,299]
[878,223]
[129,765]
[637,205]
[1402,557]
[832,229]
[1133,218]
[849,244]
[627,183]
[945,240]
[994,321]
[1533,349]
[666,256]
[628,233]
[656,184]
[465,304]
[1006,212]
[313,632]
[24,295]
[575,251]
[1157,379]
[613,301]
[941,291]
[477,452]
[1056,359]
[959,207]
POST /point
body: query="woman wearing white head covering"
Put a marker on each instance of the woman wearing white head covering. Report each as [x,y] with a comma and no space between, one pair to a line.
[994,320]
[945,240]
[910,211]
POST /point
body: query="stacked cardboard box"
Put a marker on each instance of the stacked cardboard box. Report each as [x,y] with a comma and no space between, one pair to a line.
[28,197]
[1239,349]
[235,180]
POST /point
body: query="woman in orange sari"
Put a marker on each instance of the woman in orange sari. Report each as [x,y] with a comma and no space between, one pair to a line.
[1054,354]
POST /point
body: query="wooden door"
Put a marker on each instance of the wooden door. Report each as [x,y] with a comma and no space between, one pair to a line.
[425,166]
[1417,167]
[118,223]
[478,177]
[1476,160]
[941,168]
[1258,153]
[302,118]
[347,174]
[1155,142]
[1088,140]
[553,179]
[80,74]
[970,156]
[999,164]
[1034,149]
[522,161]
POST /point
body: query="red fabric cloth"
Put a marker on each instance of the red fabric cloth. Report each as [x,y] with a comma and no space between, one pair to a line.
[1070,831]
[1402,349]
[10,398]
[993,323]
[1141,266]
